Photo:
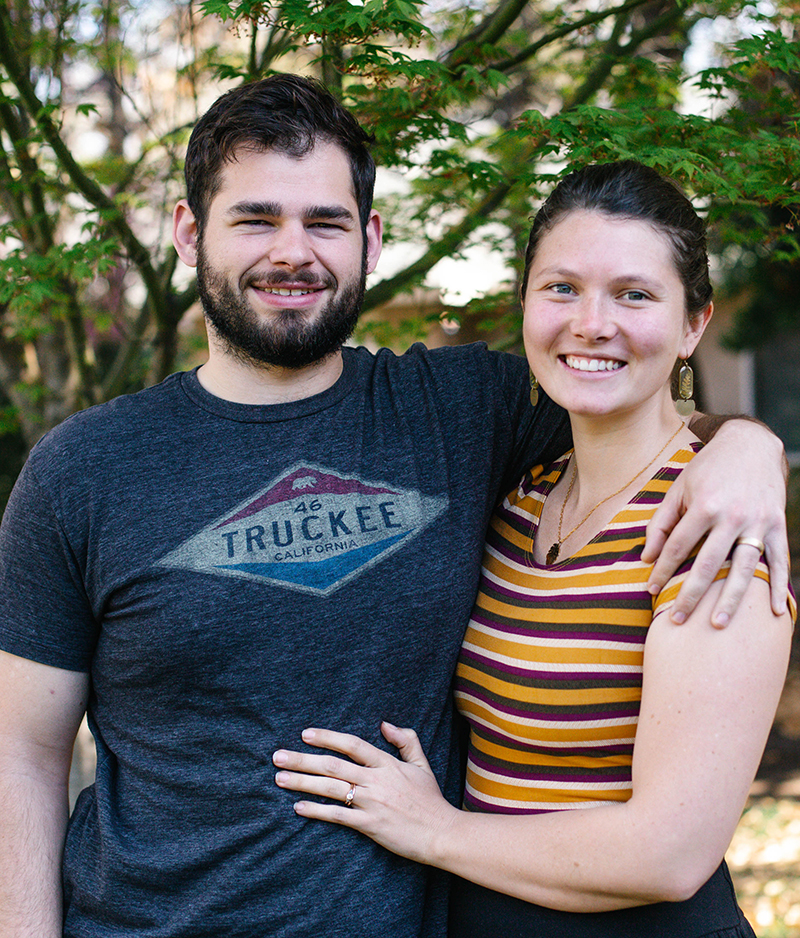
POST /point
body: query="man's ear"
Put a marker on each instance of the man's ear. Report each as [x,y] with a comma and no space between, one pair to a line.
[374,234]
[184,233]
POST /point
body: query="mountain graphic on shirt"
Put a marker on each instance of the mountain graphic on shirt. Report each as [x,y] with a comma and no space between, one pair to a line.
[311,529]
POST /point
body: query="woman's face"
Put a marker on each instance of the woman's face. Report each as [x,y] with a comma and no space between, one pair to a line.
[605,315]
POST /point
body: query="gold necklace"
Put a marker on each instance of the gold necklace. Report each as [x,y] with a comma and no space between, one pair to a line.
[552,554]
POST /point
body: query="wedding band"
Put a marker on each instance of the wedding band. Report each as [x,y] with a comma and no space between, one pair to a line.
[348,798]
[751,542]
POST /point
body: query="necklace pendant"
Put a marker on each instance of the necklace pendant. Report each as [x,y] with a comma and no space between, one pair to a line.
[552,554]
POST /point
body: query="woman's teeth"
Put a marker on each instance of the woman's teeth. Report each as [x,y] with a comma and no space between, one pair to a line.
[592,364]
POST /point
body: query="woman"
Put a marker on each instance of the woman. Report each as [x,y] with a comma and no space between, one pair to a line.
[555,677]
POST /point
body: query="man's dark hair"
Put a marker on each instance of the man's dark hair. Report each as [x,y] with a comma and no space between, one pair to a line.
[287,113]
[632,190]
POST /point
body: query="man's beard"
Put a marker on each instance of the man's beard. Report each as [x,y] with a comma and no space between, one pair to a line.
[285,340]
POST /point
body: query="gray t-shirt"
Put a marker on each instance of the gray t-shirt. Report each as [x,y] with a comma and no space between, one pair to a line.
[230,574]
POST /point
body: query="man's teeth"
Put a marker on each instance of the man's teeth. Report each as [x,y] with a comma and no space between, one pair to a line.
[592,364]
[281,291]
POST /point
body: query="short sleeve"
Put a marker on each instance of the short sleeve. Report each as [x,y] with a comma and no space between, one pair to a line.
[45,614]
[541,433]
[666,598]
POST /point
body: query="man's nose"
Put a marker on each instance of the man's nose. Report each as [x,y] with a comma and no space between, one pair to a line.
[290,246]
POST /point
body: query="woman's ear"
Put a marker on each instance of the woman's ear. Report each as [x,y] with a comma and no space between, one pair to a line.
[695,330]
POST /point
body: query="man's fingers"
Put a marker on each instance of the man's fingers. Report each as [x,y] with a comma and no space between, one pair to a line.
[700,576]
[745,558]
[665,518]
[714,498]
[679,544]
[743,563]
[777,557]
[704,570]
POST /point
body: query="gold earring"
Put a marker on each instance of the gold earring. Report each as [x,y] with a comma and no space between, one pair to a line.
[685,405]
[534,389]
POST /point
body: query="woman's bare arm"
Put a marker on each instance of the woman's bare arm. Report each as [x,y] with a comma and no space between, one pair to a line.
[709,698]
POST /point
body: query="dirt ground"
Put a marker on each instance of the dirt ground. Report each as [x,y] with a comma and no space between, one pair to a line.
[764,856]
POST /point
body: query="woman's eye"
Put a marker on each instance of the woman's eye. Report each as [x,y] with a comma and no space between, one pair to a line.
[635,295]
[563,288]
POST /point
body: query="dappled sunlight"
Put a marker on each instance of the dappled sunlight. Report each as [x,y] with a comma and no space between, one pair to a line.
[764,859]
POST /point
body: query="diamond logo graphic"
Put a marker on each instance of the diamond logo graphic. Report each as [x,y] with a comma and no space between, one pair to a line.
[311,529]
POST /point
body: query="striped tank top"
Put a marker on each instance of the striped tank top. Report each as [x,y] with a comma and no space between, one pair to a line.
[550,671]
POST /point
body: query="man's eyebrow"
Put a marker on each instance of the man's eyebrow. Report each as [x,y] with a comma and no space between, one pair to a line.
[271,209]
[329,211]
[275,210]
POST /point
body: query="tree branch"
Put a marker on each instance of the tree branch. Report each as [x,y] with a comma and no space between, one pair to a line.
[29,171]
[672,14]
[14,203]
[589,20]
[130,347]
[279,41]
[86,186]
[12,368]
[473,219]
[489,30]
[447,245]
[37,234]
[165,342]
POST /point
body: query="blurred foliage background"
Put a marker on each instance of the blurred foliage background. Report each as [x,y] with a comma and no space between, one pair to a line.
[477,107]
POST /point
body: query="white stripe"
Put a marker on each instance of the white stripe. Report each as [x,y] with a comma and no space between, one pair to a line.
[539,641]
[554,575]
[532,805]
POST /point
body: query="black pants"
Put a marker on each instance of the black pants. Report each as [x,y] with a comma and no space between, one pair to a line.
[476,912]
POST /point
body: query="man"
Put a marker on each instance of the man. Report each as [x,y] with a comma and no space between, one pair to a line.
[289,536]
